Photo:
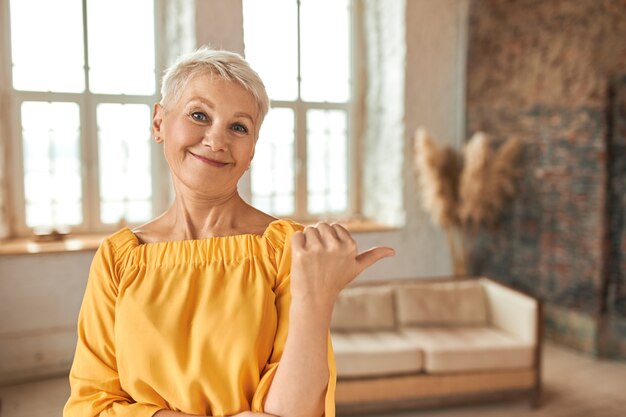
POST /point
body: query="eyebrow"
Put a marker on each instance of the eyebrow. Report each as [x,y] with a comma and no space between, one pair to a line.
[246,115]
[211,105]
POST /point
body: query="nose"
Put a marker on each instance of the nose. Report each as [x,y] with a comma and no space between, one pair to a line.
[215,138]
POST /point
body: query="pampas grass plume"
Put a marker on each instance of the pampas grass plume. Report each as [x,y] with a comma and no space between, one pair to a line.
[438,170]
[462,194]
[487,181]
[505,168]
[473,183]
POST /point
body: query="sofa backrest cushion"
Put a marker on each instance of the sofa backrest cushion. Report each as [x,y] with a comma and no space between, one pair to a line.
[364,308]
[449,303]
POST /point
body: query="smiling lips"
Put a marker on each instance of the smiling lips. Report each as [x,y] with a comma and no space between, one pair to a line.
[208,161]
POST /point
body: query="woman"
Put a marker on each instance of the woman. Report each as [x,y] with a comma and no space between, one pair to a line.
[213,308]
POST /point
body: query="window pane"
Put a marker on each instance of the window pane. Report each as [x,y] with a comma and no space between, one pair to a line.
[327,171]
[47,45]
[325,54]
[273,168]
[52,175]
[124,162]
[132,212]
[271,45]
[121,46]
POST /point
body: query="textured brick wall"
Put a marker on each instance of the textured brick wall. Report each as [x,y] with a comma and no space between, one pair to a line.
[551,239]
[617,195]
[613,339]
[542,71]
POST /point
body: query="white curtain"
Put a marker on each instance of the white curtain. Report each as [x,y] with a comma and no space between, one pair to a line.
[177,29]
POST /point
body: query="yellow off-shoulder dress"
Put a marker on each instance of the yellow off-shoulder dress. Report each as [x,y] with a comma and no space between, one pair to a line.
[196,326]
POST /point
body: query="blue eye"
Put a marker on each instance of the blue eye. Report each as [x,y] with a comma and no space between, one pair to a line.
[199,116]
[239,128]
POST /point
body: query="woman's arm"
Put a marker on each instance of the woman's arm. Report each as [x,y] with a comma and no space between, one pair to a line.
[324,260]
[299,386]
[94,378]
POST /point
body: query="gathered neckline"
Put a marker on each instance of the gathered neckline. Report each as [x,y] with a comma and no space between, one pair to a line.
[270,225]
[232,248]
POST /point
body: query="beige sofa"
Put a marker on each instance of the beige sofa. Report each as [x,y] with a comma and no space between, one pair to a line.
[407,343]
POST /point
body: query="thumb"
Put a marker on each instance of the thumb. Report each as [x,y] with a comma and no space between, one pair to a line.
[368,258]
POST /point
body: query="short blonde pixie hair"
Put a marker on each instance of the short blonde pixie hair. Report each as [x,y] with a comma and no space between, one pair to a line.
[227,65]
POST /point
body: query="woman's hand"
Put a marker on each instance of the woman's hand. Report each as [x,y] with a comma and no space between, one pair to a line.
[325,260]
[168,413]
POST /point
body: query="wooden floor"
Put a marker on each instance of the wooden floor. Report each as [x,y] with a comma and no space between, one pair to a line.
[574,386]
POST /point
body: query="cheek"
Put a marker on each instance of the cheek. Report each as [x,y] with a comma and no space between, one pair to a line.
[242,147]
[249,151]
[181,132]
[169,153]
[175,145]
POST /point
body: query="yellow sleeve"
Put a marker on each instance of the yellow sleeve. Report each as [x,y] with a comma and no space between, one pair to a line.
[94,380]
[283,301]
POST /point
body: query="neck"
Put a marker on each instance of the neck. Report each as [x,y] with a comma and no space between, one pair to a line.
[197,217]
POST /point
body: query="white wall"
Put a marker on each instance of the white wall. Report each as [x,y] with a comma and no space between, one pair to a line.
[5,115]
[430,90]
[40,295]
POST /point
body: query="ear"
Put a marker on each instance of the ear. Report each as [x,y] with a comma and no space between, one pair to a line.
[157,119]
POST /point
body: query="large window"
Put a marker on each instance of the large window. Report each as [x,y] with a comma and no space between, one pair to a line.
[82,76]
[302,51]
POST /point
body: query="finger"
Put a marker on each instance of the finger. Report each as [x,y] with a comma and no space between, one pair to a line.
[312,236]
[327,232]
[371,256]
[342,232]
[298,240]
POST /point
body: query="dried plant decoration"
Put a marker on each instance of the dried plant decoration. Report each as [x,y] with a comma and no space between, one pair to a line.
[464,192]
[438,170]
[504,175]
[474,181]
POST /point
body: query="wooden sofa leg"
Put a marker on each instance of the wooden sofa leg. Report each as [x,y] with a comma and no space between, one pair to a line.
[535,398]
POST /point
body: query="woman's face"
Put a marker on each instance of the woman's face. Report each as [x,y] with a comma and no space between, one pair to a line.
[208,135]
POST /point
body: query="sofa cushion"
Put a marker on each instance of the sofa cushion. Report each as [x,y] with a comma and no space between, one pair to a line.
[375,354]
[364,308]
[458,349]
[450,303]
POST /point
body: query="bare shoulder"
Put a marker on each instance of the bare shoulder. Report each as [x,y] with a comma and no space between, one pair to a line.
[149,232]
[258,221]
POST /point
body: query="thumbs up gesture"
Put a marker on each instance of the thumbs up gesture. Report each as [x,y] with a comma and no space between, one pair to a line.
[325,260]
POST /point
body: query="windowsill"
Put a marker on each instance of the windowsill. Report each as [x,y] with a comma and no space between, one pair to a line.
[26,245]
[367,226]
[84,243]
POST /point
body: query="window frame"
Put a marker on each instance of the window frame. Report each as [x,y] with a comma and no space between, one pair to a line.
[354,111]
[300,109]
[88,141]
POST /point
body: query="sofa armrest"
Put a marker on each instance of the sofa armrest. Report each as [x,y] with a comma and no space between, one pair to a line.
[513,311]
